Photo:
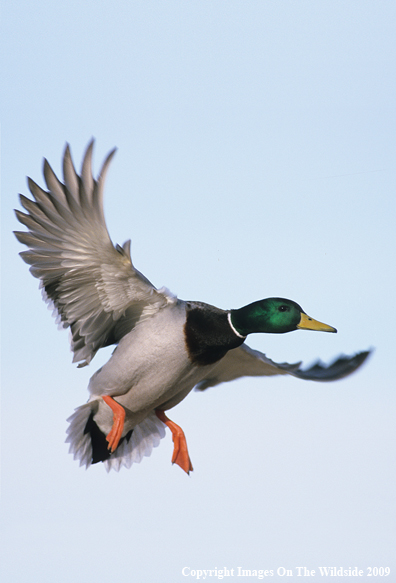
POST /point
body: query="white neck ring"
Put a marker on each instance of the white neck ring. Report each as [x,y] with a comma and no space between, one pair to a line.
[232,327]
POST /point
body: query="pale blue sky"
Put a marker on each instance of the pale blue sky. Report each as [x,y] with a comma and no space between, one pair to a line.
[256,158]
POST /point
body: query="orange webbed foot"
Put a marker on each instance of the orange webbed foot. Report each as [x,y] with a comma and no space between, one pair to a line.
[114,436]
[180,452]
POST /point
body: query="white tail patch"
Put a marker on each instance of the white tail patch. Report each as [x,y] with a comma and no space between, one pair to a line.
[145,436]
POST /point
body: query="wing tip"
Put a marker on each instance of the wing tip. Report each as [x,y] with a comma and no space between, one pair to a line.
[341,367]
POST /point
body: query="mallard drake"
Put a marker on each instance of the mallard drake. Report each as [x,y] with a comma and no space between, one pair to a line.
[164,346]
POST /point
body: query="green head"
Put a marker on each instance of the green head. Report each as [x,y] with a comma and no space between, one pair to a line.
[275,316]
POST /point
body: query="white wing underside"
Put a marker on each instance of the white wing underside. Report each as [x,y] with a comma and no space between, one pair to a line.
[92,285]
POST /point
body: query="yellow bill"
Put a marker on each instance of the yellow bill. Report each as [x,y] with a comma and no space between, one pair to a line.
[307,323]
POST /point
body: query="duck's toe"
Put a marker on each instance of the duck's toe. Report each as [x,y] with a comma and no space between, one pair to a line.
[114,436]
[180,451]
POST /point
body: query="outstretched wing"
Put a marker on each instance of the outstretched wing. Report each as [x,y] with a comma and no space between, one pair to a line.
[244,361]
[92,285]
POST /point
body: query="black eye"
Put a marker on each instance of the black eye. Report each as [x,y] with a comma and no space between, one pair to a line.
[283,308]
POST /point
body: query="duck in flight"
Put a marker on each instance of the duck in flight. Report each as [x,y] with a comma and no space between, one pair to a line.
[164,346]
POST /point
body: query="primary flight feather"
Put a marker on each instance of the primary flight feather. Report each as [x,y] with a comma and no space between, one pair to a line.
[164,346]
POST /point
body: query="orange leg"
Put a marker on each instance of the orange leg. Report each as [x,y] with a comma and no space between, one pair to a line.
[118,422]
[180,452]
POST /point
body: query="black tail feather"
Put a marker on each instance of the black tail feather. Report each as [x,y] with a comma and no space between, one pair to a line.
[100,445]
